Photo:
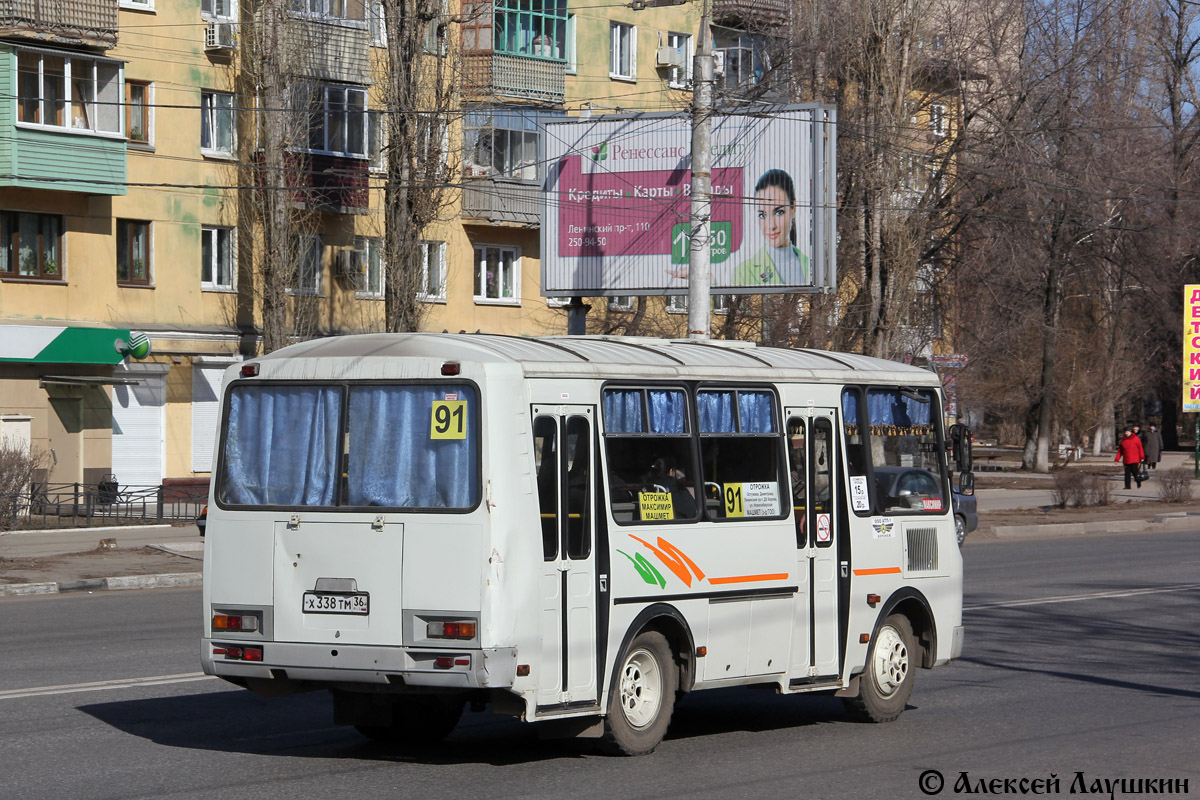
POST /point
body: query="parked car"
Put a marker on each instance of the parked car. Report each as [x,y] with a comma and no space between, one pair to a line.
[902,488]
[202,520]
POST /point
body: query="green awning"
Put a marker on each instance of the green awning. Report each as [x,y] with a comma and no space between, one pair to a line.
[50,344]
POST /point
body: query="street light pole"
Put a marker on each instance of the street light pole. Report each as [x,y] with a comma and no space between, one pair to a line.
[700,210]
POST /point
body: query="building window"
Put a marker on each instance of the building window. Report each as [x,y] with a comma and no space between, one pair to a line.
[743,56]
[138,105]
[435,30]
[496,273]
[569,46]
[680,77]
[352,10]
[309,273]
[678,303]
[137,5]
[92,104]
[371,285]
[30,245]
[216,258]
[501,141]
[622,62]
[535,28]
[622,303]
[433,271]
[218,9]
[338,120]
[133,252]
[937,119]
[216,123]
[377,23]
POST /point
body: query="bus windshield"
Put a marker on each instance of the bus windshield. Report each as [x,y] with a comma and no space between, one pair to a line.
[401,446]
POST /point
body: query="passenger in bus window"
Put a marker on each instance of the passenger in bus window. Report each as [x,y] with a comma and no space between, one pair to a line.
[666,473]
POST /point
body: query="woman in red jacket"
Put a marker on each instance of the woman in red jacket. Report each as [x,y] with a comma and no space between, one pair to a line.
[1130,452]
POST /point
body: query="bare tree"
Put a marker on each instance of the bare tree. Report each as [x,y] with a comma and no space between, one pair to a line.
[421,90]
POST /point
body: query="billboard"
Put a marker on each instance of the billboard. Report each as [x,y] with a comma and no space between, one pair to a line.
[616,203]
[1191,347]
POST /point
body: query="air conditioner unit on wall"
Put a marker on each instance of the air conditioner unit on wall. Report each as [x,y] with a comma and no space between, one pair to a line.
[220,36]
[669,57]
[350,263]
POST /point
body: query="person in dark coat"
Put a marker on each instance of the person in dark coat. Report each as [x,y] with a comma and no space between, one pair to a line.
[1131,454]
[1153,446]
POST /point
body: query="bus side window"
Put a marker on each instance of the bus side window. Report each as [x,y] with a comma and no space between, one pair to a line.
[545,453]
[579,502]
[797,453]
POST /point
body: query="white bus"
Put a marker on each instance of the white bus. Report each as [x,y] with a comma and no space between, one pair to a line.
[576,531]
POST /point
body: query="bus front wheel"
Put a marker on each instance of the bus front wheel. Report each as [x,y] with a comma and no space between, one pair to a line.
[641,703]
[886,684]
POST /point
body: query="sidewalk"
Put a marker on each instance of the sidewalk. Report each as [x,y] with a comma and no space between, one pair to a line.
[156,556]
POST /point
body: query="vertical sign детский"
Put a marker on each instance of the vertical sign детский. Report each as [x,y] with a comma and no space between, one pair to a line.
[1191,347]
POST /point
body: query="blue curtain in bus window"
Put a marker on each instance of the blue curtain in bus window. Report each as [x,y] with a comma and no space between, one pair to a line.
[394,458]
[890,407]
[280,448]
[754,412]
[668,411]
[623,411]
[715,410]
[850,407]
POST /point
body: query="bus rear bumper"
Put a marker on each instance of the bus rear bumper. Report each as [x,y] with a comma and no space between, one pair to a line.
[490,668]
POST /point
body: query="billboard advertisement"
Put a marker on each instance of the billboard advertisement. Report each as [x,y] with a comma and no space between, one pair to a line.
[617,192]
[1191,347]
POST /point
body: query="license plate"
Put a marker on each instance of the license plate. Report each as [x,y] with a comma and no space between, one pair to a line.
[337,603]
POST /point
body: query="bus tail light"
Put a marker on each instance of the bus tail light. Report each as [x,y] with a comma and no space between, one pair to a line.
[239,653]
[451,629]
[242,623]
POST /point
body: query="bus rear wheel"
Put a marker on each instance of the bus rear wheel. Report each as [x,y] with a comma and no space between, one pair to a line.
[641,703]
[886,684]
[417,720]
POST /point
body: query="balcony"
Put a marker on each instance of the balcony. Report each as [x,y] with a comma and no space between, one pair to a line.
[331,183]
[502,200]
[75,23]
[754,15]
[501,76]
[330,51]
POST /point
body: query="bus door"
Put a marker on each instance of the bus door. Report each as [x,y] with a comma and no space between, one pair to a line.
[813,464]
[565,460]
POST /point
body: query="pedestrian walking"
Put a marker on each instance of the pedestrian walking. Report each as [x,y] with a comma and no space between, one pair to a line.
[1153,446]
[1131,454]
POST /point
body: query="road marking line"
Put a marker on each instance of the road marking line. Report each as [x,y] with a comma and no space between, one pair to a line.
[100,686]
[1072,598]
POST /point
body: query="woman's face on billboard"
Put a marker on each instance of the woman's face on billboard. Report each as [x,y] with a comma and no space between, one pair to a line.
[775,215]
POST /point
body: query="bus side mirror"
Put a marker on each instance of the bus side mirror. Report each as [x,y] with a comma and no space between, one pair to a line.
[966,483]
[960,446]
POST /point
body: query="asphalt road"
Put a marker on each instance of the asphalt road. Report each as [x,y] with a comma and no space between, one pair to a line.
[1080,657]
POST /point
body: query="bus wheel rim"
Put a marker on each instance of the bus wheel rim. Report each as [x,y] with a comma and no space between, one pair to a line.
[641,688]
[891,661]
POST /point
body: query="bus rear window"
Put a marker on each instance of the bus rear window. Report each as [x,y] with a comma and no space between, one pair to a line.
[281,446]
[407,446]
[412,447]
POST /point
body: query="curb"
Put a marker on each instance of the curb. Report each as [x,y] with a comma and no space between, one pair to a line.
[1161,522]
[168,580]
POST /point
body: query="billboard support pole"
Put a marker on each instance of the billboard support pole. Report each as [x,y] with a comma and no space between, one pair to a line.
[577,312]
[700,209]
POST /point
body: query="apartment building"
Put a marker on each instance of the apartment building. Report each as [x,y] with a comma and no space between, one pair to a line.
[131,133]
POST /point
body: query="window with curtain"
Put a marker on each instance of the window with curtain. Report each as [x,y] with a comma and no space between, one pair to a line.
[651,458]
[413,447]
[31,245]
[280,446]
[216,123]
[905,451]
[740,453]
[404,446]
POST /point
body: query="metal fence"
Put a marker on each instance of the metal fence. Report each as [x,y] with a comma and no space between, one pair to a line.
[77,505]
